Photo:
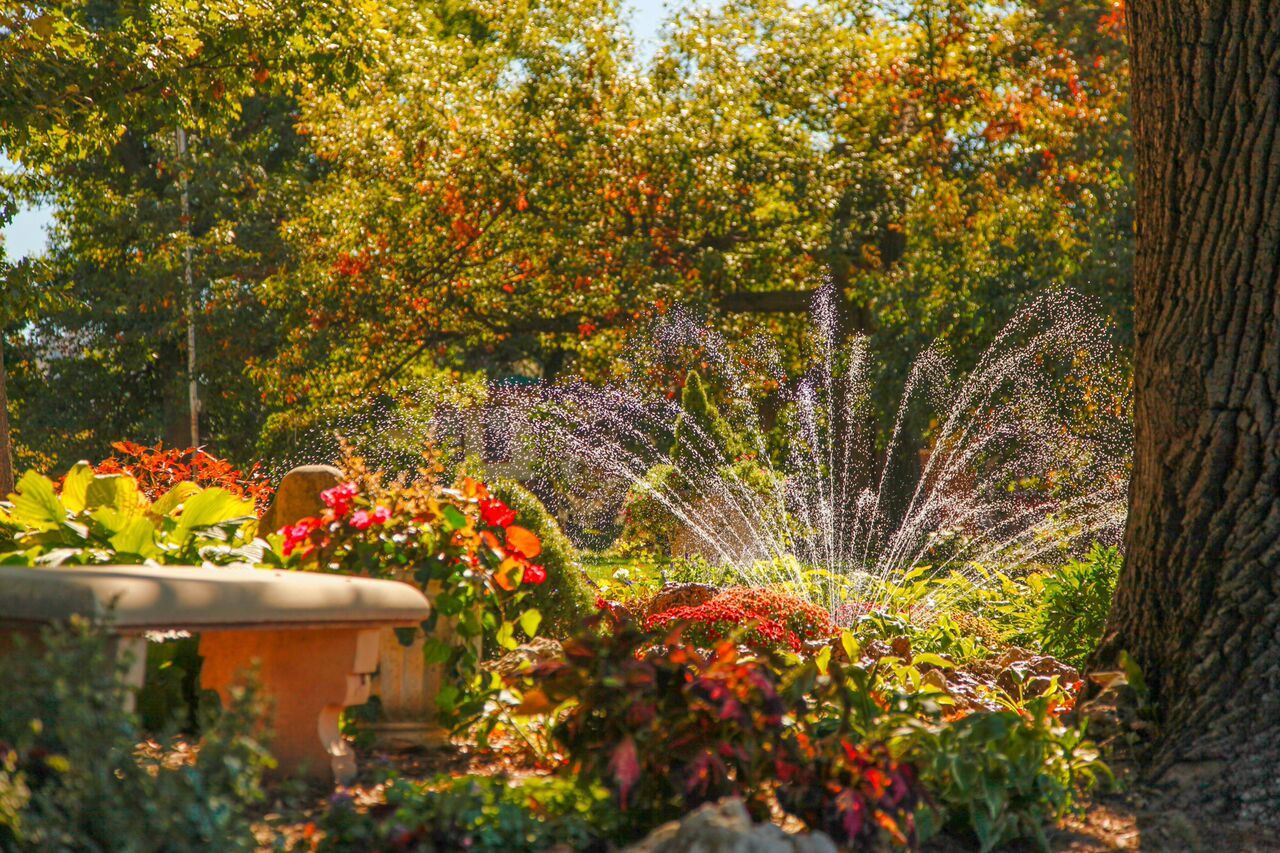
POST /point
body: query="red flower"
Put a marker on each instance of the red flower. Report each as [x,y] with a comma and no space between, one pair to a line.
[381,515]
[495,513]
[339,498]
[297,534]
[534,574]
[361,520]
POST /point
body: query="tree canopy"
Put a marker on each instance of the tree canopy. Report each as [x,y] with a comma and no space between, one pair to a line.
[383,194]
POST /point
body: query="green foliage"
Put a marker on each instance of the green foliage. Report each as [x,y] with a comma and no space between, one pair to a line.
[647,520]
[1074,604]
[105,518]
[1002,775]
[939,162]
[69,775]
[703,438]
[1062,612]
[90,119]
[472,812]
[565,599]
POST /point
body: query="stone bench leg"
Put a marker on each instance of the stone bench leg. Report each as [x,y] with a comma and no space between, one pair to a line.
[308,676]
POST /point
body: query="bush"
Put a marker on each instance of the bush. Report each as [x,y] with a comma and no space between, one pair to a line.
[761,618]
[1075,603]
[666,727]
[647,522]
[1001,775]
[460,544]
[70,778]
[158,469]
[476,812]
[862,753]
[566,598]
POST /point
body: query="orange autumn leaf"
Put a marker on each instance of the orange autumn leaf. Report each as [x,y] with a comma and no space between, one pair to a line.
[524,541]
[502,577]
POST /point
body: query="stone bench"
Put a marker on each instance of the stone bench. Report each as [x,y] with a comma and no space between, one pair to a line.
[313,637]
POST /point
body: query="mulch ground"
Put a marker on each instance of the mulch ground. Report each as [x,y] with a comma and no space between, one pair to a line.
[1126,820]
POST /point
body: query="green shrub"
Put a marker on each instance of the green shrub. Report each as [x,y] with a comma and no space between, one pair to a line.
[1074,605]
[647,522]
[70,775]
[472,812]
[999,775]
[703,438]
[566,598]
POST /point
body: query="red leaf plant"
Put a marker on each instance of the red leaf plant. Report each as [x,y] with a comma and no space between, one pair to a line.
[761,618]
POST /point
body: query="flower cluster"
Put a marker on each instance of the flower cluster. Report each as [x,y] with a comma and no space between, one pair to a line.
[461,528]
[158,469]
[760,618]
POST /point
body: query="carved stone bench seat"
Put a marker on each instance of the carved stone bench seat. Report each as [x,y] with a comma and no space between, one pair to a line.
[313,637]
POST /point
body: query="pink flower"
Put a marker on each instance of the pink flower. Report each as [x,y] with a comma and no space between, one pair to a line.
[381,515]
[360,520]
[339,498]
[533,574]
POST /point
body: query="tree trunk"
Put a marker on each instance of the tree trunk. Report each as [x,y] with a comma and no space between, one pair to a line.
[6,437]
[1198,604]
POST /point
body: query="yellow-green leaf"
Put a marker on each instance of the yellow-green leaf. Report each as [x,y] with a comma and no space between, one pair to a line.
[35,504]
[172,499]
[75,485]
[529,622]
[113,491]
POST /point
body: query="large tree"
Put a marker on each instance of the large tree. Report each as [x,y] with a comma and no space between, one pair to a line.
[158,244]
[1198,604]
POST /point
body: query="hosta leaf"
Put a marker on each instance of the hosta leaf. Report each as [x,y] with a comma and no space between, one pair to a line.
[172,499]
[35,504]
[136,537]
[113,491]
[75,485]
[210,507]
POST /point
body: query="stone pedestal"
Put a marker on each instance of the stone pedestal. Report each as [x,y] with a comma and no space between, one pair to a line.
[407,687]
[320,672]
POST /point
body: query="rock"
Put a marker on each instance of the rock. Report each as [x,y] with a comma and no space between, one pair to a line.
[680,595]
[970,691]
[872,652]
[1032,674]
[725,827]
[523,658]
[298,496]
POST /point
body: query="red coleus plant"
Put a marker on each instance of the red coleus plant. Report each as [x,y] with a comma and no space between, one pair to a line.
[667,726]
[158,469]
[761,618]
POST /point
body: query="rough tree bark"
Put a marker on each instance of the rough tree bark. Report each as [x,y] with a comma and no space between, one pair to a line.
[6,438]
[1198,604]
